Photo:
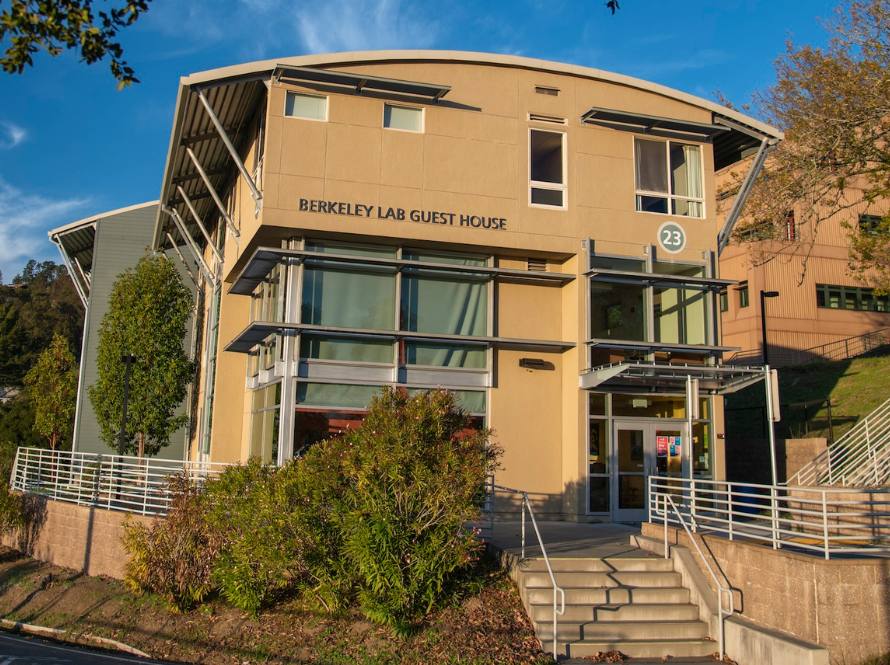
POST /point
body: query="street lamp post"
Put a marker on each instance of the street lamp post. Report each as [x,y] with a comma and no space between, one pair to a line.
[763,296]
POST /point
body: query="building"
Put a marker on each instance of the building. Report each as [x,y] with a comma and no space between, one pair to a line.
[538,237]
[822,310]
[96,250]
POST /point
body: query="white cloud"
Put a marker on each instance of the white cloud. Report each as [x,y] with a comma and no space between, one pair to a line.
[12,135]
[24,221]
[355,25]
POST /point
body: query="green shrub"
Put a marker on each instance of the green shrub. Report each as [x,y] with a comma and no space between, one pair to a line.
[251,507]
[415,470]
[175,557]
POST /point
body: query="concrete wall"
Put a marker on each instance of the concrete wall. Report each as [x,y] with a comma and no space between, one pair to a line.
[841,604]
[83,538]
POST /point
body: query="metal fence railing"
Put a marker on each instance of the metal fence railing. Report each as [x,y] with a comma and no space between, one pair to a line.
[861,457]
[839,349]
[830,521]
[115,482]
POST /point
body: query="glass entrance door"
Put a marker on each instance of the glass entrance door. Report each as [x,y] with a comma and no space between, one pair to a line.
[634,453]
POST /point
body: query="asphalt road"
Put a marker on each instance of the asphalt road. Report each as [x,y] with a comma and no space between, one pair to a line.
[22,650]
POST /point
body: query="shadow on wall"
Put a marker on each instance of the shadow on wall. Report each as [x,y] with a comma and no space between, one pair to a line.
[33,518]
[570,504]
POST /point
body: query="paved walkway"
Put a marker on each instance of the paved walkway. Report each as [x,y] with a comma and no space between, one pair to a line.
[566,539]
[25,650]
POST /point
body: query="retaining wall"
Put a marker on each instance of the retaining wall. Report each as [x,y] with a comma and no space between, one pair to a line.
[83,538]
[842,604]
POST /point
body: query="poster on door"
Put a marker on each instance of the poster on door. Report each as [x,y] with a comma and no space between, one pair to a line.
[661,445]
[674,445]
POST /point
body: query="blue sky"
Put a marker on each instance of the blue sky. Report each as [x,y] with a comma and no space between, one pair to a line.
[72,145]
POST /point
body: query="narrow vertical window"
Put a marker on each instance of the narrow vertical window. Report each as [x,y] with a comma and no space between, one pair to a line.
[308,107]
[790,226]
[547,177]
[743,294]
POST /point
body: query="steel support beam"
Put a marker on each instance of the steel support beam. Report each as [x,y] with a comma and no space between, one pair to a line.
[212,191]
[181,258]
[197,218]
[83,273]
[766,144]
[257,196]
[74,280]
[196,252]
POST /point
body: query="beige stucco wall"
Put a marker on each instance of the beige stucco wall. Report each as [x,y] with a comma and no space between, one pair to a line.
[471,158]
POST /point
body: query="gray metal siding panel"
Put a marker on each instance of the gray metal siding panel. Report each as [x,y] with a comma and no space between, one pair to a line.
[121,241]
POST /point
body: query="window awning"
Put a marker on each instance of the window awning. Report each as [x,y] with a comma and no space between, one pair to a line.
[652,347]
[360,82]
[639,122]
[258,331]
[656,279]
[669,378]
[264,259]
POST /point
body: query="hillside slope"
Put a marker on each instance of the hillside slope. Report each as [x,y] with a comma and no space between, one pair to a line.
[855,388]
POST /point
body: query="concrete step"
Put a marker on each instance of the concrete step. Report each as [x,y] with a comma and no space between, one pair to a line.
[617,612]
[595,580]
[602,596]
[613,564]
[641,648]
[622,630]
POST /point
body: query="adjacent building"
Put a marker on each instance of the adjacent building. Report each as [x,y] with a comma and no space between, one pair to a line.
[819,308]
[540,238]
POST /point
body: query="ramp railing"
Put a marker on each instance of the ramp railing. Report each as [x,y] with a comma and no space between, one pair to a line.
[115,482]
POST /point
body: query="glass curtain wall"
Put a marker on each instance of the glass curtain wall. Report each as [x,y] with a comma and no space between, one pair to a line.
[356,301]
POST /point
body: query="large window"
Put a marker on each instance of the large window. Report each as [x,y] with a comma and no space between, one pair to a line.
[617,311]
[264,414]
[669,178]
[856,298]
[680,313]
[547,168]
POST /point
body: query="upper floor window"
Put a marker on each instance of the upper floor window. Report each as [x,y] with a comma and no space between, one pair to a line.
[742,290]
[858,298]
[669,178]
[790,226]
[870,224]
[308,107]
[406,118]
[547,168]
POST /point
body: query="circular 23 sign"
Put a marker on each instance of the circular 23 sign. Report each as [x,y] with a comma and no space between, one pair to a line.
[671,237]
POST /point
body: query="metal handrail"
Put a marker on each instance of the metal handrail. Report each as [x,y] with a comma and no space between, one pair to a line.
[668,499]
[831,521]
[116,482]
[557,590]
[847,459]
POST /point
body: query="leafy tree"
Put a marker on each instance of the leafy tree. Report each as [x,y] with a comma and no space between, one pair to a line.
[51,386]
[148,312]
[834,105]
[53,26]
[40,302]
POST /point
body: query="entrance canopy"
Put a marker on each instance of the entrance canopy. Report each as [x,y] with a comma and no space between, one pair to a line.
[669,378]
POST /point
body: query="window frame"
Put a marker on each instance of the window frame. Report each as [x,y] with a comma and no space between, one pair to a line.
[422,110]
[537,184]
[327,106]
[669,195]
[744,294]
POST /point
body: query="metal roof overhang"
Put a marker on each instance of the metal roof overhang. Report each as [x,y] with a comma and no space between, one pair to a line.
[653,377]
[264,259]
[653,347]
[361,82]
[258,331]
[639,122]
[78,244]
[656,279]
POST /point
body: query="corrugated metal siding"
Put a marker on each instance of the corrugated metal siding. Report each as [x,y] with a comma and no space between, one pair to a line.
[121,241]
